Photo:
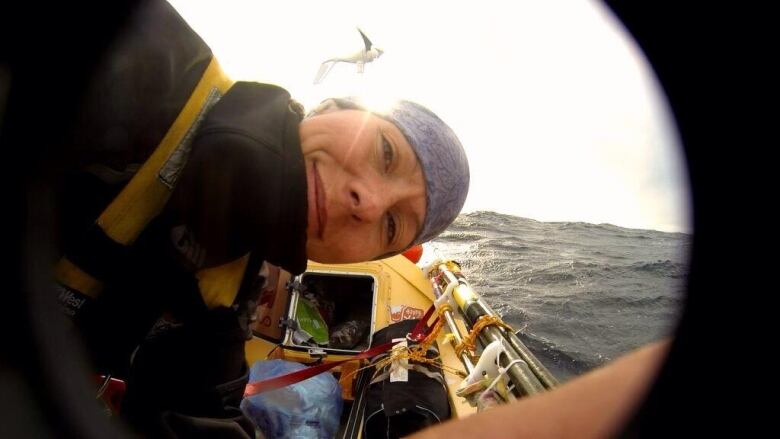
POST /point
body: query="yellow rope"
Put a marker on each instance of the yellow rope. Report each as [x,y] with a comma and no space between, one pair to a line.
[419,351]
[483,322]
[414,353]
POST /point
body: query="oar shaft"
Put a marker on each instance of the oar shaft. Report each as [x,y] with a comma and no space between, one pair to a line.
[473,308]
[538,369]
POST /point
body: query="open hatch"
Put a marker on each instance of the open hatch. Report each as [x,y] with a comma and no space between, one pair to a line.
[325,312]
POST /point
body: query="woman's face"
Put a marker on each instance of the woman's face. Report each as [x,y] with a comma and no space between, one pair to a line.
[366,191]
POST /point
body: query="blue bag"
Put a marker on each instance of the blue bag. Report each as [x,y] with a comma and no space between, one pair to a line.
[308,409]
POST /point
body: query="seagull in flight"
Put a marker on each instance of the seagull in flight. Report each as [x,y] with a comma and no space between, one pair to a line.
[367,54]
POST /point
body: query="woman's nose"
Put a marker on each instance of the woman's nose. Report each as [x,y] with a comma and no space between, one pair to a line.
[365,203]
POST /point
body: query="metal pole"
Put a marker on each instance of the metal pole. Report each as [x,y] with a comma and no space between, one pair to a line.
[457,339]
[534,376]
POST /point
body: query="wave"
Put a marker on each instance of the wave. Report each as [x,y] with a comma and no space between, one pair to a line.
[587,292]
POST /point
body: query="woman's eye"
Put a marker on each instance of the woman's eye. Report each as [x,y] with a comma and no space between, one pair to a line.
[390,228]
[387,153]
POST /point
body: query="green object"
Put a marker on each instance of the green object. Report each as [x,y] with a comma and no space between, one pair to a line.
[311,322]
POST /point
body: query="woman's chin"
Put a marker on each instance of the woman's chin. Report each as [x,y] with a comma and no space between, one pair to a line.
[327,255]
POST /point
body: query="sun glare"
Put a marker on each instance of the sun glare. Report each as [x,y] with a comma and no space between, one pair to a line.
[543,102]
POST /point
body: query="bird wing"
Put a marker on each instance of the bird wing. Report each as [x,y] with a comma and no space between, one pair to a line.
[366,41]
[323,71]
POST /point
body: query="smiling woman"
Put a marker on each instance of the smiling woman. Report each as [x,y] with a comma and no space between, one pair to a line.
[380,182]
[366,188]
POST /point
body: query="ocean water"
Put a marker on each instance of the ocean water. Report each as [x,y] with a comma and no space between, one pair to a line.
[578,294]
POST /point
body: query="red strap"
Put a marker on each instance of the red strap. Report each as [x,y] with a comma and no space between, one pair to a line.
[421,329]
[419,332]
[300,375]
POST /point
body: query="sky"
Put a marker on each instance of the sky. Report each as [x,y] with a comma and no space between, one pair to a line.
[560,114]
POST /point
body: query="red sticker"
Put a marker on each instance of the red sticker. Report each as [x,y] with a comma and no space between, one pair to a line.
[403,312]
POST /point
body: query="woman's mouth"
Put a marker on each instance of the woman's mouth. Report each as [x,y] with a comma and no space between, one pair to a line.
[322,212]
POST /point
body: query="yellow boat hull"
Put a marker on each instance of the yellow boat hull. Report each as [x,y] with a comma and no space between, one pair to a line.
[401,293]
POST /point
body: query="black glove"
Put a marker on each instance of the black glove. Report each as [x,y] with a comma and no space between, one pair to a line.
[190,377]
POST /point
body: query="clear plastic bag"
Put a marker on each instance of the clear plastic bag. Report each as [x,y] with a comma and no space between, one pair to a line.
[308,409]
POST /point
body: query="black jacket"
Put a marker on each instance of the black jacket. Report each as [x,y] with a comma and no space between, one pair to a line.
[243,190]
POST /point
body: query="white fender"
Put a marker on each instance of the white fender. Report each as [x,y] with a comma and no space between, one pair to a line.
[487,364]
